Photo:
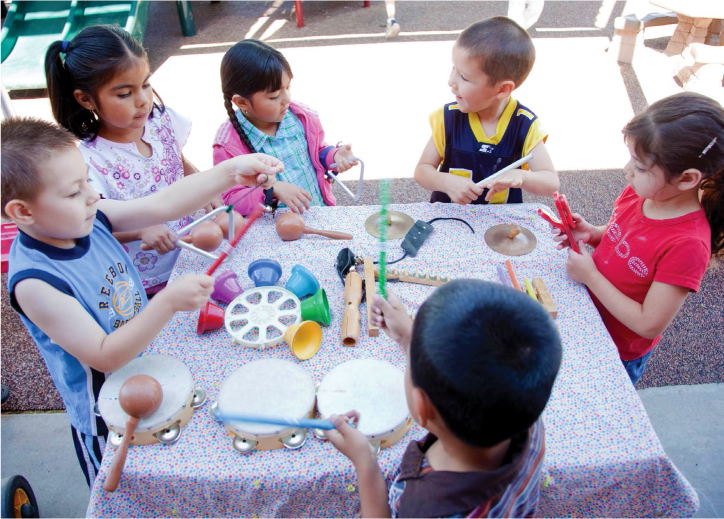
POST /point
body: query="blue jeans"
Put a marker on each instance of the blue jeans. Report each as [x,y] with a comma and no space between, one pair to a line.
[635,368]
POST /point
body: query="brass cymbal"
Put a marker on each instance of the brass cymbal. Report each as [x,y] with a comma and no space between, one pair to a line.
[399,224]
[498,238]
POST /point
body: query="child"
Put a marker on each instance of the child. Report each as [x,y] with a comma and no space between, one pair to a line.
[485,129]
[481,362]
[70,279]
[255,80]
[99,89]
[665,225]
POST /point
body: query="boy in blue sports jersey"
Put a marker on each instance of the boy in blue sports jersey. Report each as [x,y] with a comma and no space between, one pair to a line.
[75,288]
[485,129]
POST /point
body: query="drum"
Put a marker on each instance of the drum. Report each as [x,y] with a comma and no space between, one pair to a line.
[266,387]
[180,399]
[373,387]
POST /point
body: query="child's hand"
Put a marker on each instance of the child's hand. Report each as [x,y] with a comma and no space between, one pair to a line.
[582,231]
[342,157]
[513,178]
[159,238]
[391,316]
[253,169]
[188,293]
[214,204]
[294,197]
[349,441]
[462,190]
[580,267]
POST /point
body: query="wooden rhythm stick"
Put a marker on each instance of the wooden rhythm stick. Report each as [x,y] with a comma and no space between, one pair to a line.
[372,331]
[414,277]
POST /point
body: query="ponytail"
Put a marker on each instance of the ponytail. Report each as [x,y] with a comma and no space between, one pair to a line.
[249,67]
[686,131]
[86,63]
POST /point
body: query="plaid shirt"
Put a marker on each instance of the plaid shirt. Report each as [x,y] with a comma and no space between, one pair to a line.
[290,146]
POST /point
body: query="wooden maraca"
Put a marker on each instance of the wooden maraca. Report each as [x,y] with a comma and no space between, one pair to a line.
[207,235]
[140,396]
[223,221]
[290,226]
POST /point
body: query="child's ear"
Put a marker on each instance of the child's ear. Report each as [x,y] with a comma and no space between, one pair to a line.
[505,88]
[85,100]
[240,102]
[19,211]
[422,407]
[689,179]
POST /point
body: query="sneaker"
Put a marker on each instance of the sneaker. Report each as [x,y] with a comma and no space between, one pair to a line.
[393,28]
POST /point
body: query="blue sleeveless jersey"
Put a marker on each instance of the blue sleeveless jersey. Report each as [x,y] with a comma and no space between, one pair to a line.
[477,160]
[98,273]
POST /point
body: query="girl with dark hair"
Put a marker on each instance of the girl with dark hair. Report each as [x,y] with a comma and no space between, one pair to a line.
[255,81]
[665,225]
[99,89]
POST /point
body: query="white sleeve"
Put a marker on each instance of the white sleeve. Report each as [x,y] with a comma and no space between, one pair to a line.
[181,126]
[95,177]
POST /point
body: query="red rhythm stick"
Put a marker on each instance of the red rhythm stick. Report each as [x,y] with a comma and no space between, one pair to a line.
[255,214]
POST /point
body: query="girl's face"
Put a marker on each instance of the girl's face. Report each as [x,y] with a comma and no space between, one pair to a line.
[649,181]
[266,108]
[124,103]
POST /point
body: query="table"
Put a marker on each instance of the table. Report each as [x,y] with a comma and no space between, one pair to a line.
[602,455]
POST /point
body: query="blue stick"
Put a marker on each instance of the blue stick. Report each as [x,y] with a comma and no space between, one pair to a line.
[502,276]
[304,423]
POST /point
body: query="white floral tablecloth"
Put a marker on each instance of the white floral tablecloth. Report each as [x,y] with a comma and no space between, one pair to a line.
[603,458]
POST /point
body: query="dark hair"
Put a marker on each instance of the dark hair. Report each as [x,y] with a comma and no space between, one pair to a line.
[249,67]
[92,59]
[503,48]
[487,356]
[27,145]
[681,132]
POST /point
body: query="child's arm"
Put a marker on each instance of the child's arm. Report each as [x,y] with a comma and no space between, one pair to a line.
[370,481]
[190,169]
[541,179]
[190,193]
[69,325]
[460,190]
[391,315]
[649,319]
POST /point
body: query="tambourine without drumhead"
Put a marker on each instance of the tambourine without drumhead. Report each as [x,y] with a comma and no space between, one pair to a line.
[180,398]
[259,317]
[267,387]
[373,387]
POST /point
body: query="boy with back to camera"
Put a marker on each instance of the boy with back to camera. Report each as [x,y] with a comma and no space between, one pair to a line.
[485,129]
[481,362]
[73,284]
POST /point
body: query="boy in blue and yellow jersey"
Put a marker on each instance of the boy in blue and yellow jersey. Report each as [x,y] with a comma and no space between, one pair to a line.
[485,129]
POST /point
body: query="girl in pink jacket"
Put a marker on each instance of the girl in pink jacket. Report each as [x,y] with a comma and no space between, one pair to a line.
[255,82]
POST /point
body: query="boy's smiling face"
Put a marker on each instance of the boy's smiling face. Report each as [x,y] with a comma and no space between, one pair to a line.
[471,86]
[65,206]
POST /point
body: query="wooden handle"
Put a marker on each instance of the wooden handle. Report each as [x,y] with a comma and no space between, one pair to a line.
[119,459]
[414,277]
[350,318]
[335,235]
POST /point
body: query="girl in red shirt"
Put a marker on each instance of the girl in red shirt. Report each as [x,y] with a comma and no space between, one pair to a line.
[665,225]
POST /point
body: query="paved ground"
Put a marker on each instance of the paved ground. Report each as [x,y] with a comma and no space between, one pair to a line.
[376,94]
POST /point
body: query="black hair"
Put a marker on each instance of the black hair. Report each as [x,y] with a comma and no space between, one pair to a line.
[681,132]
[27,146]
[249,67]
[487,356]
[504,50]
[92,59]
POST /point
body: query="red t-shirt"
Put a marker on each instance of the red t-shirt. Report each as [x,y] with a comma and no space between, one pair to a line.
[635,251]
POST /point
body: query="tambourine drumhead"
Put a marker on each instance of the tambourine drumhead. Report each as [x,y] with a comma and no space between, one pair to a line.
[267,387]
[176,382]
[373,387]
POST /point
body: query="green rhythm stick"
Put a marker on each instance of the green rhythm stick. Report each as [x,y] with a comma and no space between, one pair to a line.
[384,202]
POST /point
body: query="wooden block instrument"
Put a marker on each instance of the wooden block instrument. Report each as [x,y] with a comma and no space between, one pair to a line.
[544,297]
[352,299]
[372,331]
[414,277]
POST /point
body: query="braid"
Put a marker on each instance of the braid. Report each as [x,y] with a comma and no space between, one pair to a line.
[237,125]
[712,201]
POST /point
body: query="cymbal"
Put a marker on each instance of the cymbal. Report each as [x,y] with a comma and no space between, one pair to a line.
[399,224]
[498,238]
